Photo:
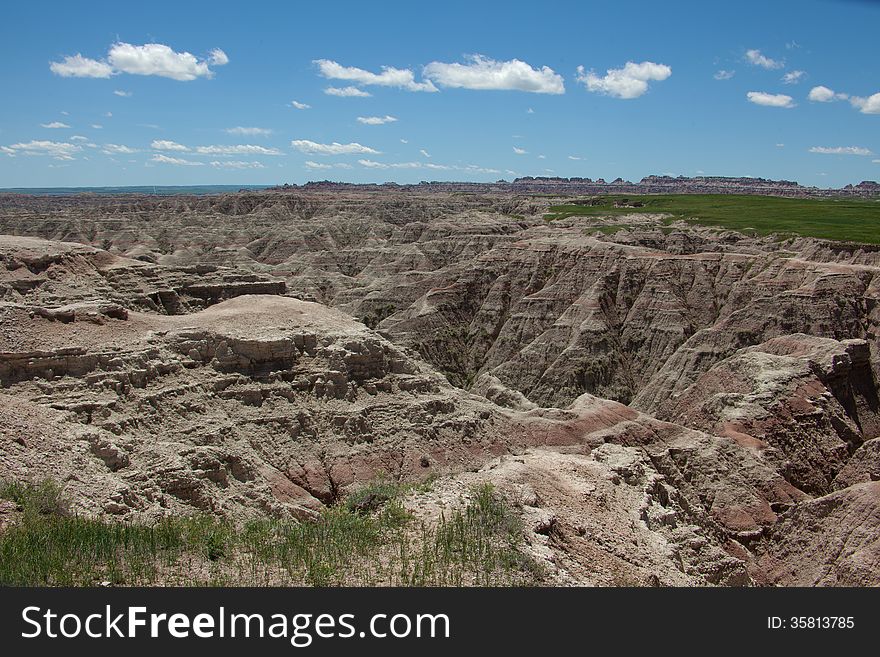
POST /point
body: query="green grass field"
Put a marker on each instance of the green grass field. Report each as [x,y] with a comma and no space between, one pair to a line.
[368,539]
[856,220]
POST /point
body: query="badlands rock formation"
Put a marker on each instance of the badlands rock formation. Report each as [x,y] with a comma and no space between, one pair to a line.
[681,406]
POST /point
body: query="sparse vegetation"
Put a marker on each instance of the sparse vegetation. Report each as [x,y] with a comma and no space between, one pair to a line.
[856,220]
[368,539]
[378,313]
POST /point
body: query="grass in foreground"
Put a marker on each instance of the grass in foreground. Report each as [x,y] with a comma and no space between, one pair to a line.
[369,539]
[856,220]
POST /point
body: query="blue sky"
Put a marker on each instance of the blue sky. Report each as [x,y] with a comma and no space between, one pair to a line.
[153,93]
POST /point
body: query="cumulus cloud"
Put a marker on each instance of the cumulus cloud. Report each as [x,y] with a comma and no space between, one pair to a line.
[77,66]
[376,120]
[241,130]
[575,157]
[840,150]
[755,58]
[237,164]
[347,92]
[869,105]
[54,125]
[724,74]
[166,145]
[58,150]
[300,106]
[97,126]
[400,78]
[238,149]
[159,59]
[317,165]
[424,153]
[628,82]
[481,73]
[148,59]
[123,94]
[78,138]
[311,147]
[164,159]
[822,94]
[118,149]
[519,151]
[770,100]
[793,77]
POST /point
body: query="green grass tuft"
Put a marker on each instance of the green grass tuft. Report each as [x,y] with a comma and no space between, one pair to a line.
[368,539]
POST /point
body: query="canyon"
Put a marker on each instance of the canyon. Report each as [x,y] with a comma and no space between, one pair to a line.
[665,404]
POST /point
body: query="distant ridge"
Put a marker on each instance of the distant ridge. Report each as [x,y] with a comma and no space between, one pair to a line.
[647,185]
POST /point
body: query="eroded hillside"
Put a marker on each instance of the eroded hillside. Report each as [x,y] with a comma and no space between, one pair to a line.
[663,403]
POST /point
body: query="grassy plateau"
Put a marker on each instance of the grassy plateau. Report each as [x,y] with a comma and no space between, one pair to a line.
[854,220]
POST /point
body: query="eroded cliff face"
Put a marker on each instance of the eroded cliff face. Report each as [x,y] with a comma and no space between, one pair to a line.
[690,398]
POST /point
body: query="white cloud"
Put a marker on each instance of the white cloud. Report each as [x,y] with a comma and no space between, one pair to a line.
[240,130]
[404,141]
[755,58]
[108,114]
[724,74]
[159,59]
[347,92]
[238,149]
[484,73]
[869,105]
[793,77]
[317,165]
[876,161]
[519,151]
[530,111]
[470,168]
[840,150]
[574,157]
[58,150]
[780,145]
[118,149]
[300,106]
[311,147]
[97,126]
[376,120]
[78,138]
[218,57]
[372,164]
[164,159]
[148,59]
[54,125]
[822,94]
[424,153]
[770,100]
[123,94]
[237,164]
[542,157]
[166,145]
[628,82]
[400,78]
[77,66]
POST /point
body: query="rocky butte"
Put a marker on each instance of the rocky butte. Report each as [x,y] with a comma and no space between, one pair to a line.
[666,404]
